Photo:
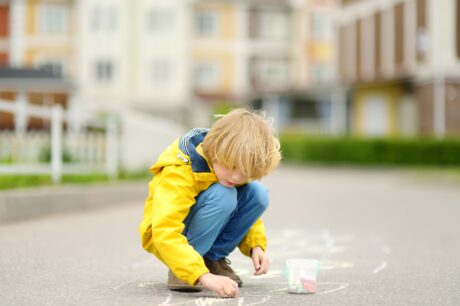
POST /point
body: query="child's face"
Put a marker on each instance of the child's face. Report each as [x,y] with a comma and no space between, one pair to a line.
[229,177]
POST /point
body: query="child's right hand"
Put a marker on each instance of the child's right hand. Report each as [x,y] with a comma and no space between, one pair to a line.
[222,285]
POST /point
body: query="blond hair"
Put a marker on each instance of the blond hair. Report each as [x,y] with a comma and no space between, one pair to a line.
[243,140]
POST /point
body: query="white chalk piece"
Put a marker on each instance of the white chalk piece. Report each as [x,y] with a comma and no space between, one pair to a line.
[301,275]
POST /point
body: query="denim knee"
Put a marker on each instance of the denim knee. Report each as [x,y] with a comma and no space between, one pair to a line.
[224,198]
[258,194]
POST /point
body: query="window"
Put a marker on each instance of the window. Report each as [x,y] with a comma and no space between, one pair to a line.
[319,73]
[96,19]
[56,68]
[206,76]
[161,72]
[112,16]
[321,27]
[273,72]
[160,21]
[422,31]
[307,108]
[377,43]
[375,116]
[357,28]
[399,35]
[273,25]
[104,71]
[206,23]
[53,19]
[342,53]
[104,19]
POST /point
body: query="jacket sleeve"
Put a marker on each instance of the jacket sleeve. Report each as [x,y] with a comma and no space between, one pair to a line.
[172,199]
[255,237]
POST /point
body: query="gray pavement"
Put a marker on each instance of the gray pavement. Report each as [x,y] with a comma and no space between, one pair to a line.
[383,238]
[22,204]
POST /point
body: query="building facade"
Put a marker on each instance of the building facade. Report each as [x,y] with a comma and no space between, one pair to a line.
[37,54]
[172,58]
[401,58]
[248,48]
[310,101]
[177,58]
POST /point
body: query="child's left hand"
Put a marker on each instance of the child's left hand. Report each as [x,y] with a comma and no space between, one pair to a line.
[260,261]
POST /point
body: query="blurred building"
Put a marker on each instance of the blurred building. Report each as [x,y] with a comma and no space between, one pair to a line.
[401,59]
[22,88]
[106,42]
[176,59]
[173,58]
[37,53]
[39,34]
[132,55]
[311,101]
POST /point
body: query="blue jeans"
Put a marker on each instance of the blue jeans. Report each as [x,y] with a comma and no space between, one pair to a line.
[222,216]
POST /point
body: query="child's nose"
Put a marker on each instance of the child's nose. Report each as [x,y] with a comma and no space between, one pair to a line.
[236,177]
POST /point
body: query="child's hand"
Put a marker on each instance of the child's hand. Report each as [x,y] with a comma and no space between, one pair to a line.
[260,261]
[222,285]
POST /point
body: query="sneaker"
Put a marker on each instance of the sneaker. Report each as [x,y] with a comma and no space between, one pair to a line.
[177,285]
[222,267]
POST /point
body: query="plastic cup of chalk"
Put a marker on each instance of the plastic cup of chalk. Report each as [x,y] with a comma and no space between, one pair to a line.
[301,275]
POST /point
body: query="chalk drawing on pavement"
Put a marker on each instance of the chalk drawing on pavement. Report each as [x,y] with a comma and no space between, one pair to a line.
[166,302]
[125,283]
[338,287]
[209,301]
[323,245]
[380,267]
[323,287]
[262,301]
[270,274]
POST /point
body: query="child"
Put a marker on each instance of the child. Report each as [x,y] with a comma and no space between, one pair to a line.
[204,202]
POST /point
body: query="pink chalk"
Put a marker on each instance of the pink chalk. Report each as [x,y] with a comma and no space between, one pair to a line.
[308,284]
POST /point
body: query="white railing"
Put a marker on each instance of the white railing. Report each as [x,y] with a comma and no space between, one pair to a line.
[54,152]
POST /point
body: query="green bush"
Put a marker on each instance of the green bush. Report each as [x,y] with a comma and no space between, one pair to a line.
[27,181]
[45,155]
[362,151]
[8,159]
[12,181]
[222,108]
[140,174]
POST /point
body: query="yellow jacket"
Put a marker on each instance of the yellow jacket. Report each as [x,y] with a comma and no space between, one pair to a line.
[180,174]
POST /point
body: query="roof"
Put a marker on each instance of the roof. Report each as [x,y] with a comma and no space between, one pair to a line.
[26,79]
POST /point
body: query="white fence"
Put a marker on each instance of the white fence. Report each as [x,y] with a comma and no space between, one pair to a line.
[54,152]
[35,146]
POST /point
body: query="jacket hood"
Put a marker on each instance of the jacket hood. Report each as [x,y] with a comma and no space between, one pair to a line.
[187,150]
[190,145]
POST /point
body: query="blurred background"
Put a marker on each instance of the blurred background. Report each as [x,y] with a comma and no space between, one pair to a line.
[99,88]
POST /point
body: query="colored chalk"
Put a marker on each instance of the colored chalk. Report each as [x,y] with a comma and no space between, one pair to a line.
[308,284]
[301,275]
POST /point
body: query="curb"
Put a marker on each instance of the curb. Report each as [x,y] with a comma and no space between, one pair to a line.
[22,204]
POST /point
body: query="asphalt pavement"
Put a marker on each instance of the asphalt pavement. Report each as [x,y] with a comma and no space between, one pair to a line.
[383,237]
